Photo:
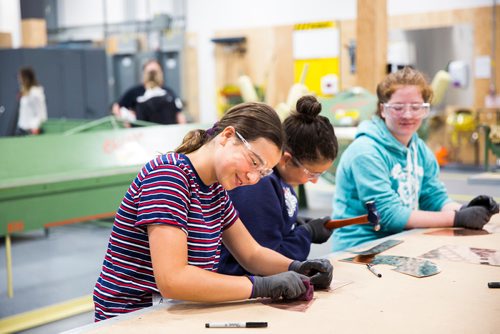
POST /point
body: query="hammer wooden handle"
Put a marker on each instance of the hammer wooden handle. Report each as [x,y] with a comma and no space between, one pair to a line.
[336,223]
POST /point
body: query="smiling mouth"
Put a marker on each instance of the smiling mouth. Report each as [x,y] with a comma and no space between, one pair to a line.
[407,123]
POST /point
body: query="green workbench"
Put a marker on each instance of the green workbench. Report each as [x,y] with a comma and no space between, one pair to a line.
[57,179]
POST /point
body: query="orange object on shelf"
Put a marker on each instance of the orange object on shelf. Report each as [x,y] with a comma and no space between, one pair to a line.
[441,156]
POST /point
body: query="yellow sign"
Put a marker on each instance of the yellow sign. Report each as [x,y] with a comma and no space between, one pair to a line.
[317,57]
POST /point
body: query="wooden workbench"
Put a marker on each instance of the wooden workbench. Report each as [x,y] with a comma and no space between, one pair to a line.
[457,300]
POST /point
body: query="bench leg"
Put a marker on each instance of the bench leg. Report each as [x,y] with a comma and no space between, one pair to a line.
[8,262]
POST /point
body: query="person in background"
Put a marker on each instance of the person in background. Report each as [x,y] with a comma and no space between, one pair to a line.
[32,106]
[269,209]
[126,107]
[169,228]
[389,164]
[157,105]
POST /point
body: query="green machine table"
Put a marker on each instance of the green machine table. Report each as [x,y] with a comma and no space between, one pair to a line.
[57,179]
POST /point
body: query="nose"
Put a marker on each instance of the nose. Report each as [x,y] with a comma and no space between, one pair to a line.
[314,180]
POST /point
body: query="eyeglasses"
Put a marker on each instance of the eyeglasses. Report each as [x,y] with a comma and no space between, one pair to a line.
[310,175]
[420,110]
[258,164]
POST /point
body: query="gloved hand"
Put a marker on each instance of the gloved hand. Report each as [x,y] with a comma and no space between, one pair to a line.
[485,201]
[319,270]
[474,217]
[287,285]
[316,228]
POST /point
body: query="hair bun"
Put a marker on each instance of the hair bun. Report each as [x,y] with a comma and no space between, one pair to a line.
[308,108]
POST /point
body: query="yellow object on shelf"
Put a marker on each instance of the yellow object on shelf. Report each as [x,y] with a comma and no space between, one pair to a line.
[439,85]
[348,117]
[247,89]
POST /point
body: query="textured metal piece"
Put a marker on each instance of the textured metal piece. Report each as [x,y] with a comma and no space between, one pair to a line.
[405,265]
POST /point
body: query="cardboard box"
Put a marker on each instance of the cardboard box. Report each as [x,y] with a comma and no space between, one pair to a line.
[34,33]
[489,116]
[5,40]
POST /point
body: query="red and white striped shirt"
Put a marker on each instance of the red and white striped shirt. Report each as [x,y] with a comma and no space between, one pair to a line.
[166,191]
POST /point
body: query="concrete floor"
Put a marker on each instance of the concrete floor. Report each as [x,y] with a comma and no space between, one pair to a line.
[65,264]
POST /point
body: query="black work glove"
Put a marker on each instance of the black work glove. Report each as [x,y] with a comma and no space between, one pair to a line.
[474,217]
[316,228]
[485,201]
[286,285]
[319,270]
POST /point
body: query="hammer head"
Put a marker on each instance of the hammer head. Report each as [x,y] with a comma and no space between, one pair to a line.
[373,215]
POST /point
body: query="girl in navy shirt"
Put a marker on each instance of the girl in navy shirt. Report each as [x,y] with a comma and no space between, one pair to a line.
[269,209]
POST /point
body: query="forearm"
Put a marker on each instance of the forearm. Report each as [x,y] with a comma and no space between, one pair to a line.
[422,219]
[196,284]
[452,206]
[265,261]
[181,118]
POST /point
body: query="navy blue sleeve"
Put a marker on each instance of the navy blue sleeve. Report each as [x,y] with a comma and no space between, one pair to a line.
[263,211]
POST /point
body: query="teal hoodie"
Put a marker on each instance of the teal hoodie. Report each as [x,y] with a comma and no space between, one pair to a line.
[399,179]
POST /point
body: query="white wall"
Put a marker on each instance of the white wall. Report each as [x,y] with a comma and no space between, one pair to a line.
[10,20]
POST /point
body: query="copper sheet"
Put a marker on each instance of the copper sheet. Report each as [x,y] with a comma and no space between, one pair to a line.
[300,305]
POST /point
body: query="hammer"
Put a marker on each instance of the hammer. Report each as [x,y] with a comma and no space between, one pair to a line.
[373,218]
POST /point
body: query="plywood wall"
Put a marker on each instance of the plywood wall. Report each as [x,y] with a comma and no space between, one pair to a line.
[267,60]
[191,79]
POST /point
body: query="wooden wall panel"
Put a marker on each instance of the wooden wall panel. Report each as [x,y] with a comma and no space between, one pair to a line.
[347,34]
[482,46]
[191,80]
[267,60]
[371,43]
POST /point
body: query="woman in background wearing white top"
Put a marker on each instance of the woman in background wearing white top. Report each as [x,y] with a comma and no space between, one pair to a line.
[32,107]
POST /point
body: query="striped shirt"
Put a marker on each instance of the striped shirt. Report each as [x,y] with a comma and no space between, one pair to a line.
[167,191]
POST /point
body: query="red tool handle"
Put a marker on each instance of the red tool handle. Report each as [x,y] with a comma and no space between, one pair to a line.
[336,223]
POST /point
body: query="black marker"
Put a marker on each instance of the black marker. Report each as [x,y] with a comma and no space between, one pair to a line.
[494,285]
[370,268]
[236,324]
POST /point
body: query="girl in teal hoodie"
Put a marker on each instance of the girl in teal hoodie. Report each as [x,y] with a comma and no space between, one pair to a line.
[389,164]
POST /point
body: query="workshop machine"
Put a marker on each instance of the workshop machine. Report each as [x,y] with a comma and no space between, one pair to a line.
[75,176]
